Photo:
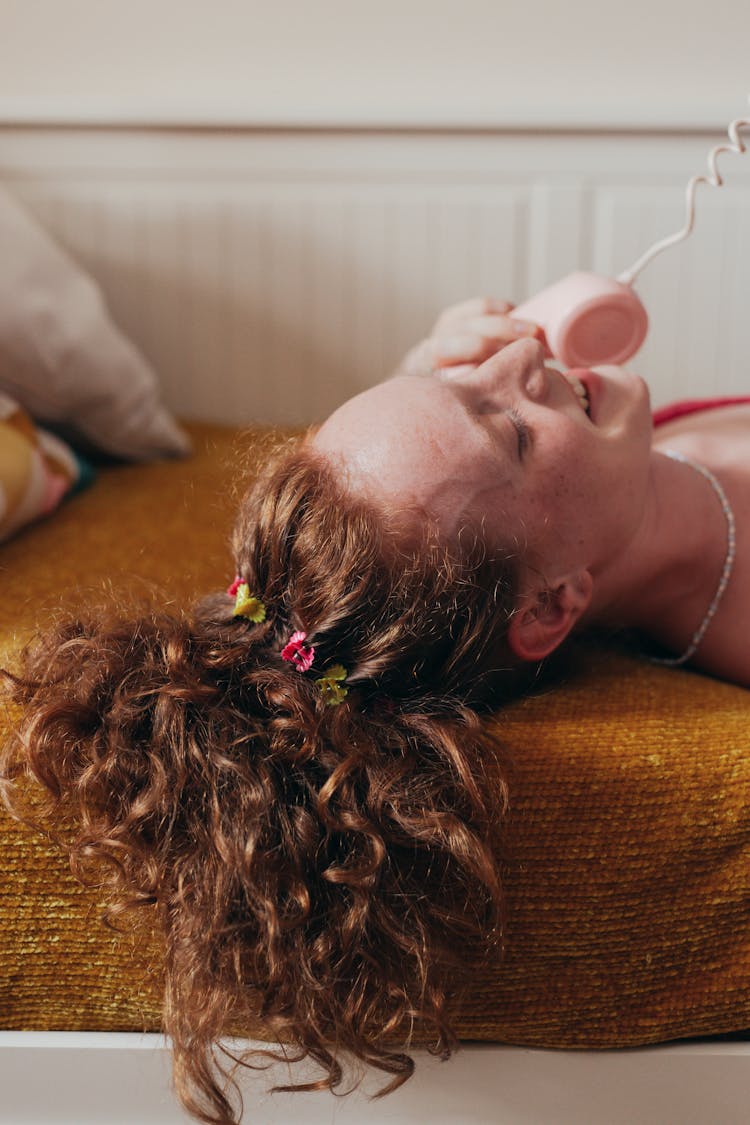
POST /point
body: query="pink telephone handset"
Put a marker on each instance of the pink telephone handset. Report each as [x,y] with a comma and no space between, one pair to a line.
[589,319]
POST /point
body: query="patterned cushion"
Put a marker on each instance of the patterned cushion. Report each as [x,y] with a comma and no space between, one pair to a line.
[37,469]
[626,852]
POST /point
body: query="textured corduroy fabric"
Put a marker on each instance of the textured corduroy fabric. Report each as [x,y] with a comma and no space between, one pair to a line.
[626,850]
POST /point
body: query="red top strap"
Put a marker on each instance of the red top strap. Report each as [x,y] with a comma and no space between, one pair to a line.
[694,406]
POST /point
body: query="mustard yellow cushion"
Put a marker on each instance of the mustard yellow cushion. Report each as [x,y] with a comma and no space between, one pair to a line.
[626,851]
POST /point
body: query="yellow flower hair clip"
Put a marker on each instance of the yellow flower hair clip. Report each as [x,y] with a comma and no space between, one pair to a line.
[331,685]
[245,604]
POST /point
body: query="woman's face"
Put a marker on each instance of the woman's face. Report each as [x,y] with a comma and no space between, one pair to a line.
[509,442]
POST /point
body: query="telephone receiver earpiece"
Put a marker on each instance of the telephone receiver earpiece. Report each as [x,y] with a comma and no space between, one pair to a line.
[588,319]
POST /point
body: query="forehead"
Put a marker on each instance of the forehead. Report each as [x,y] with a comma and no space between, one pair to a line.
[412,442]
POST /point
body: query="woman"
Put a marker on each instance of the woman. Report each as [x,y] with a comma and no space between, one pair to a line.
[611,530]
[292,777]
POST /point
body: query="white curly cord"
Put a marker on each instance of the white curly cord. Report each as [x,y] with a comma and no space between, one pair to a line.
[628,276]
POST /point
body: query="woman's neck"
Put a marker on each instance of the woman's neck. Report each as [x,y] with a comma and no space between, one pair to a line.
[666,579]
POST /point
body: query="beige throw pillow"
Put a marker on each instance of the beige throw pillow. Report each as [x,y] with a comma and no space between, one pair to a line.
[61,356]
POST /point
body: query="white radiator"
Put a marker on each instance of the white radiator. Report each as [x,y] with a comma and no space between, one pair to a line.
[268,275]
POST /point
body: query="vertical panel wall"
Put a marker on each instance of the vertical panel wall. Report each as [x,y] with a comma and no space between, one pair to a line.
[269,275]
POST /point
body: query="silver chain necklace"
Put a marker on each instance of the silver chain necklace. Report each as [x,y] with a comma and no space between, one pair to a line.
[728,561]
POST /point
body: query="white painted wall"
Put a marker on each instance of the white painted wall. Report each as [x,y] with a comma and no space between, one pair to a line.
[542,63]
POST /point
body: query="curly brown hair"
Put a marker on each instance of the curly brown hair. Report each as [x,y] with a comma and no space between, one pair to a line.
[328,869]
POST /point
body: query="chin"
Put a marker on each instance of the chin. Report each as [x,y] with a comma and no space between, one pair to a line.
[629,400]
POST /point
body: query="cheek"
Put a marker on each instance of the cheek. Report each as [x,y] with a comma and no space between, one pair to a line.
[574,488]
[602,488]
[571,466]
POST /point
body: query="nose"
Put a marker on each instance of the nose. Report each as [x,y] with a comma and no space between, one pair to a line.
[519,366]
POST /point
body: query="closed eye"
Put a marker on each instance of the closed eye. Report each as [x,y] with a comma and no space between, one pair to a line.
[524,435]
[522,430]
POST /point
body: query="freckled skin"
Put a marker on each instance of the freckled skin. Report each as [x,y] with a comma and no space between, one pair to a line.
[447,445]
[609,530]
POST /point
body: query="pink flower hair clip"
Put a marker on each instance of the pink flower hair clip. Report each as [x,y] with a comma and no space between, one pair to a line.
[331,684]
[297,652]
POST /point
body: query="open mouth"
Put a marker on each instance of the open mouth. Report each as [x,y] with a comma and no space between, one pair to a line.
[580,390]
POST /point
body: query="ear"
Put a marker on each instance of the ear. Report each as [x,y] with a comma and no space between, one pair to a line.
[546,615]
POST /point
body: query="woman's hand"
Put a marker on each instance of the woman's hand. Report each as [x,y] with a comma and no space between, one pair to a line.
[465,335]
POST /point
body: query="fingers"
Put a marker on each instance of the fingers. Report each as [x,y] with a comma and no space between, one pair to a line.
[419,359]
[466,335]
[438,353]
[455,358]
[457,370]
[455,315]
[465,347]
[479,338]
